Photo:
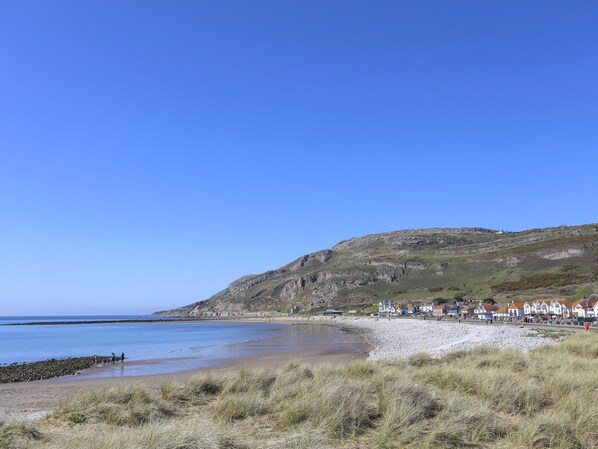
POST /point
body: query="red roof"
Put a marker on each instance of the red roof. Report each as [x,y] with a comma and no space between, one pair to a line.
[564,302]
[489,307]
[583,302]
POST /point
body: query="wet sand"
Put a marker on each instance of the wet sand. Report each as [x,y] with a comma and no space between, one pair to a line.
[319,344]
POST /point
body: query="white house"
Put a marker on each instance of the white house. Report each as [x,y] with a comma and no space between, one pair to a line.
[537,307]
[581,307]
[527,308]
[560,307]
[542,307]
[426,308]
[484,311]
[501,312]
[387,307]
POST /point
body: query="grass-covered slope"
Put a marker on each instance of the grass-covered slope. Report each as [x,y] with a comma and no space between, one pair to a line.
[482,398]
[421,265]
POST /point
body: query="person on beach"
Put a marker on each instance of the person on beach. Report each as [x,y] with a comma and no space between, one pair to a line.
[113,358]
[122,358]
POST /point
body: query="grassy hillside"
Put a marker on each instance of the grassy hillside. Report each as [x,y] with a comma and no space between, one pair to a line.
[421,265]
[482,398]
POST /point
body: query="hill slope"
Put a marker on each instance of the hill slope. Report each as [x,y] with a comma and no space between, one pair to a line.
[420,265]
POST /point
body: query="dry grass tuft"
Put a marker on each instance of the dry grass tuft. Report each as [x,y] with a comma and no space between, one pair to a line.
[258,382]
[303,437]
[18,436]
[157,435]
[197,390]
[125,406]
[483,398]
[240,406]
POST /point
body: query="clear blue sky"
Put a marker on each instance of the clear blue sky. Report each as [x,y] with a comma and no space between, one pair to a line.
[152,152]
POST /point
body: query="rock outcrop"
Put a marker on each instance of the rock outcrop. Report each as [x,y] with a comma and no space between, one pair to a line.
[415,265]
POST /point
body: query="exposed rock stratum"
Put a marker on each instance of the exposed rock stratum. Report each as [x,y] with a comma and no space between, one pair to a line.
[418,265]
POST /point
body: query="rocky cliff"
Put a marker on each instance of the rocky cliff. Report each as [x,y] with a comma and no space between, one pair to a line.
[419,265]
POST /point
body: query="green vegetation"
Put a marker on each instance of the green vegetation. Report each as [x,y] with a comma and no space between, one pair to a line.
[418,266]
[540,280]
[555,334]
[483,398]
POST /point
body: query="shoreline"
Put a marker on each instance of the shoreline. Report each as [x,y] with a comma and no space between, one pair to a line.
[361,338]
[25,401]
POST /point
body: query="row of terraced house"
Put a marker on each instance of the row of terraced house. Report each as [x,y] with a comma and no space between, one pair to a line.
[391,308]
[540,308]
[554,308]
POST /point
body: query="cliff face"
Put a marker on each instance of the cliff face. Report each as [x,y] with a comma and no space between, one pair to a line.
[419,265]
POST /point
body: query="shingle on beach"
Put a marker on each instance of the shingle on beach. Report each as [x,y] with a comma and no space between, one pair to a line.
[402,337]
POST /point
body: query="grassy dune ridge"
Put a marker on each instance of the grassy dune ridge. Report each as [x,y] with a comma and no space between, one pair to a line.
[546,398]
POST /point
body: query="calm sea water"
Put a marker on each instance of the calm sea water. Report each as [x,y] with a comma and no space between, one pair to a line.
[150,347]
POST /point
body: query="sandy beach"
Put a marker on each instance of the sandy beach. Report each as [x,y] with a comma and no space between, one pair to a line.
[35,400]
[366,338]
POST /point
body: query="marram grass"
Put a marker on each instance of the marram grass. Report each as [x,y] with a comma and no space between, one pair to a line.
[483,398]
[16,436]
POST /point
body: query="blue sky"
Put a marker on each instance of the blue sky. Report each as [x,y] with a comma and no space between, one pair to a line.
[152,152]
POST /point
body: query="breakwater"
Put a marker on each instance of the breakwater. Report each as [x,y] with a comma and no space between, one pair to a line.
[46,369]
[56,323]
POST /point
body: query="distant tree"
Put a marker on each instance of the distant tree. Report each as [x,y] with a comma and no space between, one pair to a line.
[489,301]
[439,301]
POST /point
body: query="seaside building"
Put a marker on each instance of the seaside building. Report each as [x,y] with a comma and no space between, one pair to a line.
[537,307]
[560,307]
[454,310]
[440,310]
[427,308]
[332,312]
[501,312]
[527,308]
[516,310]
[468,311]
[484,311]
[386,307]
[581,308]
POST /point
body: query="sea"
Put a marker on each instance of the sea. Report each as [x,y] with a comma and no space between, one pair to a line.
[151,346]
